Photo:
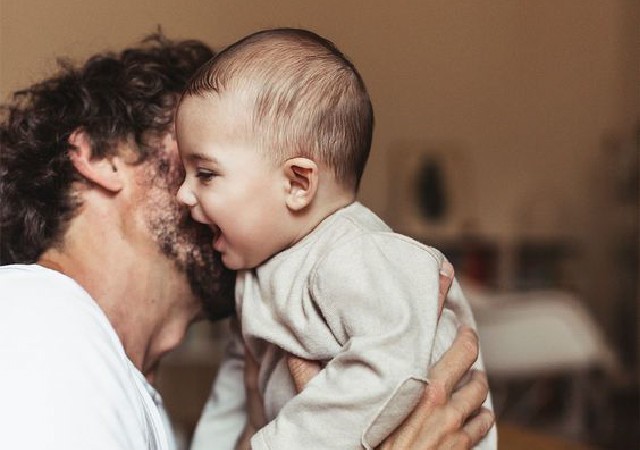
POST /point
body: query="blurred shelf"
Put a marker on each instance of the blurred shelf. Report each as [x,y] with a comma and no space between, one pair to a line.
[501,263]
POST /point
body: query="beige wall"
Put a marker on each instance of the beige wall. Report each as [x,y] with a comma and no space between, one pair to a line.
[525,90]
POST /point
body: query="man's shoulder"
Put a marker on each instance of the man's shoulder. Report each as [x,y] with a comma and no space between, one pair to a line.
[24,280]
[47,315]
[67,366]
[37,294]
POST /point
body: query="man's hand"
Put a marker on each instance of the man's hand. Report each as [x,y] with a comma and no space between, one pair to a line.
[443,418]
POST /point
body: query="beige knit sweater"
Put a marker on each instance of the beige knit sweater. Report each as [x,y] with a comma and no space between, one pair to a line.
[363,300]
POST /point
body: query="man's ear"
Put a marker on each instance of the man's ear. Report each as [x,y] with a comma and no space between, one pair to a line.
[302,182]
[104,171]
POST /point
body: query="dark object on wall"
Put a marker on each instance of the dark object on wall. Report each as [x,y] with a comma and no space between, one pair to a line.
[432,195]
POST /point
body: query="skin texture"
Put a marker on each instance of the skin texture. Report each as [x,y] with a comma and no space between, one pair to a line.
[444,418]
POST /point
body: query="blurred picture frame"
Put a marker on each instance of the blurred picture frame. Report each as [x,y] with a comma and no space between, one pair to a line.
[431,190]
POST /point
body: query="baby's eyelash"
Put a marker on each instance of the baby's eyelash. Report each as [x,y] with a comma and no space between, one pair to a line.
[205,175]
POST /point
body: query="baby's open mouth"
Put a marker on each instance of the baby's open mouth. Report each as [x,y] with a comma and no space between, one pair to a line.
[216,236]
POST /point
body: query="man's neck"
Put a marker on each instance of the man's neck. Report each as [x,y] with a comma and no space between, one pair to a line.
[130,283]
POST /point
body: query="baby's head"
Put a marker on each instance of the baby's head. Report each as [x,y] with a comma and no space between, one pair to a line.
[289,110]
[302,97]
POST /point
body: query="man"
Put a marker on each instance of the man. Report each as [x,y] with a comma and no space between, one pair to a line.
[89,169]
[104,271]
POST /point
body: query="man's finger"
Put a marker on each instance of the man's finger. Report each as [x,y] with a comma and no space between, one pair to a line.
[478,426]
[450,369]
[470,397]
[302,371]
[446,278]
[471,434]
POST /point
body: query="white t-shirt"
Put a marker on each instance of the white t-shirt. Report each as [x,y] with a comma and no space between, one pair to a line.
[65,380]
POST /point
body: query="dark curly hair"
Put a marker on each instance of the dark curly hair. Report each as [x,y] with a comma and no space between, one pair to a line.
[112,97]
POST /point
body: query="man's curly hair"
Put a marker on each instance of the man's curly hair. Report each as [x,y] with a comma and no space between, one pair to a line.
[113,97]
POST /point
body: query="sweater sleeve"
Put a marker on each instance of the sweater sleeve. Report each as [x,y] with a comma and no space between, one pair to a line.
[379,296]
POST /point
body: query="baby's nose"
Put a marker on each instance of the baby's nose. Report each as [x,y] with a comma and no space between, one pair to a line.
[185,196]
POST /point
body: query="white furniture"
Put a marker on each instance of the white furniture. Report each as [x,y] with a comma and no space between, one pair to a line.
[533,335]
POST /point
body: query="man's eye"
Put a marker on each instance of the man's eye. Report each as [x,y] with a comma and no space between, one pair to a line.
[205,175]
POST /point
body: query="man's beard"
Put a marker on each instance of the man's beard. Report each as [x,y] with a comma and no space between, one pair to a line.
[187,242]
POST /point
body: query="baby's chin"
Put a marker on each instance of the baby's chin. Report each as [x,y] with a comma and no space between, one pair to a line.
[230,262]
[234,261]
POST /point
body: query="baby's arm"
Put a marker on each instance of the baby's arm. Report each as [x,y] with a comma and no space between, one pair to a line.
[379,297]
[450,413]
[224,416]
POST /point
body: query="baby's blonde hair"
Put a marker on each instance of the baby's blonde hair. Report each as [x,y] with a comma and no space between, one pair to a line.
[308,99]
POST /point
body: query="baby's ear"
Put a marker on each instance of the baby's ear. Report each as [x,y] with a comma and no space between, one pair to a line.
[103,172]
[302,182]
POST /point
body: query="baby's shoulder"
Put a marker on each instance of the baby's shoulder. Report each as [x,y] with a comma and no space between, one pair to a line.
[394,247]
[357,228]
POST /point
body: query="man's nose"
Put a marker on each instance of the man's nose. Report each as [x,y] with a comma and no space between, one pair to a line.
[185,195]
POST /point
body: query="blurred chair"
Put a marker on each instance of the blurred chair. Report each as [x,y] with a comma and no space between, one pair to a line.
[537,335]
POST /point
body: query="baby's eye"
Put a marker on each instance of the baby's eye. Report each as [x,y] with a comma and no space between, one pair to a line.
[205,175]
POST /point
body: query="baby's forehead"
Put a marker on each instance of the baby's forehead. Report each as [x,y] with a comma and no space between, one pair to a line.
[216,116]
[214,107]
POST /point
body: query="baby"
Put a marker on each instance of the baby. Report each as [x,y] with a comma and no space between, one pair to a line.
[274,134]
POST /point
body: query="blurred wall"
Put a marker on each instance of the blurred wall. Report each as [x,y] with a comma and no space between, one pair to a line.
[526,90]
